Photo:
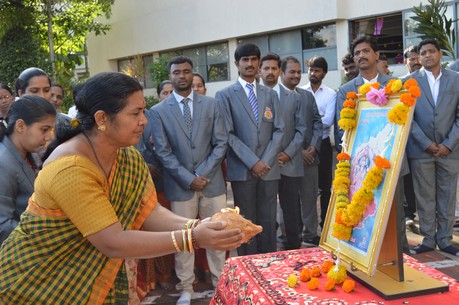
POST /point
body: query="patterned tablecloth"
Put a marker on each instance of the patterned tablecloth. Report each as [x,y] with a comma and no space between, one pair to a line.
[262,279]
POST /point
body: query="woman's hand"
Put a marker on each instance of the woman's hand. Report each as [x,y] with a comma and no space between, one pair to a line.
[211,235]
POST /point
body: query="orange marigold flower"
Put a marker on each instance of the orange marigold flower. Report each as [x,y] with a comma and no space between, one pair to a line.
[376,85]
[305,275]
[348,285]
[326,266]
[313,284]
[351,94]
[382,162]
[349,104]
[415,91]
[316,271]
[407,99]
[330,285]
[388,88]
[343,156]
[409,83]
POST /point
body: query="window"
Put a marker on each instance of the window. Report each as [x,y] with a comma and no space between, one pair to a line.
[210,61]
[304,43]
[388,31]
[137,67]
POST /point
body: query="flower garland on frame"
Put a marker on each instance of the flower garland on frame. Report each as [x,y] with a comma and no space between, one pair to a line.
[349,212]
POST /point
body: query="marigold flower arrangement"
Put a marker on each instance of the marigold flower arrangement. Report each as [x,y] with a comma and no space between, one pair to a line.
[348,286]
[338,274]
[305,275]
[326,266]
[313,284]
[316,272]
[330,285]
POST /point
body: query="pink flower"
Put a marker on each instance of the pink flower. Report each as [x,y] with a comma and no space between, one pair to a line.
[377,97]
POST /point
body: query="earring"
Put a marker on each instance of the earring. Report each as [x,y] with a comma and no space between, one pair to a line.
[102,127]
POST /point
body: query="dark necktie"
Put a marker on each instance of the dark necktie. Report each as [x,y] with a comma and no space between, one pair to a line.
[187,113]
[253,101]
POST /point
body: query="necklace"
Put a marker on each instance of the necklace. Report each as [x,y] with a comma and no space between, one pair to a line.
[95,154]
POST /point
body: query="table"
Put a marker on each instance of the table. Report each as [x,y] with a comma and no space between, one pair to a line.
[262,279]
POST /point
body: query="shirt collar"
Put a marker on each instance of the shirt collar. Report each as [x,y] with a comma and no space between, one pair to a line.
[179,98]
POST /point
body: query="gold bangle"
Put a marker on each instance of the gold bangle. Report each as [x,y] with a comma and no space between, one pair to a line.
[193,239]
[174,241]
[189,240]
[185,246]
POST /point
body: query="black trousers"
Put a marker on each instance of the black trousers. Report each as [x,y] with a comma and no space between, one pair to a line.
[325,176]
[289,199]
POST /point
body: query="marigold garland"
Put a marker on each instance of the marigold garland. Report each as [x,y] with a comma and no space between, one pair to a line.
[338,274]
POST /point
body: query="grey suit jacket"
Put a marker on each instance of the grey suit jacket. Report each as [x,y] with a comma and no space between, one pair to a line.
[435,124]
[352,85]
[314,131]
[183,157]
[294,112]
[16,186]
[249,141]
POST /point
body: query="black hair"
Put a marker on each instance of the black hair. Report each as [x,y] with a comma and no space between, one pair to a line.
[286,60]
[76,90]
[348,59]
[202,78]
[106,91]
[382,56]
[29,108]
[162,84]
[271,56]
[247,49]
[23,80]
[179,60]
[7,88]
[410,49]
[318,62]
[429,41]
[59,86]
[371,40]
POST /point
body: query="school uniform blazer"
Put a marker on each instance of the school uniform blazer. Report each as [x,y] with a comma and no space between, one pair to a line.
[248,140]
[184,157]
[351,86]
[314,131]
[440,123]
[295,113]
[16,186]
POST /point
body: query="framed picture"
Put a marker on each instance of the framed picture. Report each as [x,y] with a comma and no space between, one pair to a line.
[374,135]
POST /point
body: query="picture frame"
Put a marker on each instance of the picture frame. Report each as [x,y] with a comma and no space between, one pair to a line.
[368,139]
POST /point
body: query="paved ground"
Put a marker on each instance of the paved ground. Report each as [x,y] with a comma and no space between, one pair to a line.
[444,262]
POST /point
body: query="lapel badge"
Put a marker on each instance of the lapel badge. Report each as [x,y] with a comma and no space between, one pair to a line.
[268,113]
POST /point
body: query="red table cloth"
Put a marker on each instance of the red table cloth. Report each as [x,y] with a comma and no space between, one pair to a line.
[262,279]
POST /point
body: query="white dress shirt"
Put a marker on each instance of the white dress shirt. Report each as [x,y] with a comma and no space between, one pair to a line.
[179,99]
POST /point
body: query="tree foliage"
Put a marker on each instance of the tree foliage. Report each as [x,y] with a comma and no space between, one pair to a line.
[158,70]
[72,20]
[432,22]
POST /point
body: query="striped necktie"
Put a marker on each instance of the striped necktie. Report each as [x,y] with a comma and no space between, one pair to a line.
[187,113]
[253,100]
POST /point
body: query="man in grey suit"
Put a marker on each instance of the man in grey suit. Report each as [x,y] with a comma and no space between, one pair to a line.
[290,78]
[366,53]
[255,128]
[290,158]
[190,140]
[433,149]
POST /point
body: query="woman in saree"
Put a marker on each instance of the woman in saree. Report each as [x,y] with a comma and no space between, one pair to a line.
[91,199]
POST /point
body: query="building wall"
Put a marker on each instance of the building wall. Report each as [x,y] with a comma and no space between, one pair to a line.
[146,26]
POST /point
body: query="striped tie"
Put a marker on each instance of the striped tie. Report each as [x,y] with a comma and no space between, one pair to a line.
[187,113]
[253,101]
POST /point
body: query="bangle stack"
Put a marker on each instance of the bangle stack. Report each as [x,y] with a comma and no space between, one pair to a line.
[188,241]
[192,223]
[174,241]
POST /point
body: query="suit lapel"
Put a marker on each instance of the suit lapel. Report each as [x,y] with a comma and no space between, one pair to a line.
[197,112]
[444,82]
[177,113]
[244,100]
[425,87]
[27,171]
[261,93]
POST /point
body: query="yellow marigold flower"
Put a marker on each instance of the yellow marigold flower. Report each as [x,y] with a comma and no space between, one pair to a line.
[330,285]
[341,193]
[396,85]
[313,284]
[354,213]
[414,91]
[347,113]
[348,286]
[409,83]
[344,164]
[292,280]
[363,196]
[342,172]
[75,123]
[373,178]
[337,275]
[341,201]
[388,88]
[365,88]
[315,272]
[341,231]
[407,99]
[346,124]
[398,114]
[351,95]
[341,183]
[305,274]
[326,266]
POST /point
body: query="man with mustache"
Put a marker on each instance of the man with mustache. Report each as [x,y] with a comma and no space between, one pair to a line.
[350,68]
[411,59]
[255,129]
[366,53]
[326,102]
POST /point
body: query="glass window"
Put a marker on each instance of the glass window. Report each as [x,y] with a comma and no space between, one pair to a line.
[260,41]
[387,29]
[147,61]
